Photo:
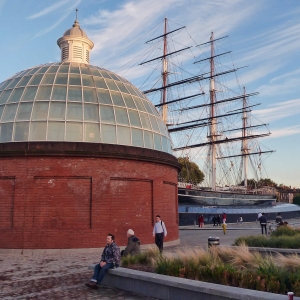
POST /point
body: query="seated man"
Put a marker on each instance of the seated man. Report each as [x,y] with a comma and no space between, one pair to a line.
[109,259]
[133,246]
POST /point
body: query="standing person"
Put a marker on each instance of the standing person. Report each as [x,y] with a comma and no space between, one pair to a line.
[133,245]
[223,218]
[240,220]
[159,231]
[263,223]
[201,221]
[219,220]
[110,258]
[214,219]
[278,218]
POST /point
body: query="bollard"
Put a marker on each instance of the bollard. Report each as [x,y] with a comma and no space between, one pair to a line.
[213,241]
[291,295]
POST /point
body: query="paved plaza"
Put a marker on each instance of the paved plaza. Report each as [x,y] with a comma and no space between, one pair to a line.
[62,276]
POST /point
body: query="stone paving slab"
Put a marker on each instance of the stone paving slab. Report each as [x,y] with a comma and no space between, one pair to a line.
[53,277]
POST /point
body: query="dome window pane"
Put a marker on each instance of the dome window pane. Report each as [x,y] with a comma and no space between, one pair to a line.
[104,97]
[100,83]
[139,104]
[74,69]
[104,74]
[148,139]
[6,132]
[40,111]
[117,99]
[162,127]
[74,94]
[13,83]
[107,114]
[123,135]
[131,90]
[74,132]
[21,131]
[134,118]
[61,79]
[145,121]
[1,110]
[85,70]
[44,92]
[91,132]
[87,81]
[4,96]
[129,101]
[164,144]
[89,95]
[157,142]
[48,79]
[24,111]
[137,137]
[122,88]
[91,112]
[43,69]
[111,85]
[169,146]
[32,71]
[108,134]
[56,131]
[153,123]
[9,112]
[121,116]
[148,108]
[74,111]
[36,79]
[113,76]
[16,95]
[95,72]
[155,112]
[6,83]
[38,131]
[74,79]
[57,110]
[53,69]
[59,93]
[30,93]
[63,69]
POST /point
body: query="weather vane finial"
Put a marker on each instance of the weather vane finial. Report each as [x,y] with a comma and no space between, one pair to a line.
[76,13]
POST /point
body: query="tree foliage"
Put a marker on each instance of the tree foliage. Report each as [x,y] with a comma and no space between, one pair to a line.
[190,171]
[252,183]
[296,199]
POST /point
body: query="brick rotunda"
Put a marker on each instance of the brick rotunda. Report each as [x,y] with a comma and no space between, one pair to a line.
[83,153]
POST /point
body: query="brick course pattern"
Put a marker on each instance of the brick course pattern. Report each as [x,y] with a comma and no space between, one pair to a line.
[61,195]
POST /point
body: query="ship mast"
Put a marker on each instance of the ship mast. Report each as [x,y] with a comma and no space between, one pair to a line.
[212,115]
[245,141]
[164,77]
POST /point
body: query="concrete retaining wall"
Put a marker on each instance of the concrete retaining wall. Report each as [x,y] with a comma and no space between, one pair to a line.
[173,288]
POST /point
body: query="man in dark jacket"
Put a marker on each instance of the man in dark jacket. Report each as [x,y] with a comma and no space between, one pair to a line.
[133,245]
[110,258]
[263,223]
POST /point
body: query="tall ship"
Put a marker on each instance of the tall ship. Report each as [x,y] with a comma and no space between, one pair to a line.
[210,118]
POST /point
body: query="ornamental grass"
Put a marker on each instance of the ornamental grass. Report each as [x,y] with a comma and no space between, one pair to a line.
[228,266]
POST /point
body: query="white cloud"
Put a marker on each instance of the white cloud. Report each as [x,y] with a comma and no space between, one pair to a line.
[279,111]
[48,29]
[282,132]
[49,9]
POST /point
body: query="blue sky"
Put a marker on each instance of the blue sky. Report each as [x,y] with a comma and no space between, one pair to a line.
[264,34]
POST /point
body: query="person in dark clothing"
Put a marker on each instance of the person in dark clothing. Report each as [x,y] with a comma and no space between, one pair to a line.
[263,223]
[219,220]
[214,219]
[110,258]
[278,218]
[133,245]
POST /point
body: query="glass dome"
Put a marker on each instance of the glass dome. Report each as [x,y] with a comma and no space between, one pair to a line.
[78,103]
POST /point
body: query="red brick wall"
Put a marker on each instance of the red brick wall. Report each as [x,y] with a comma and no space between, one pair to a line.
[73,202]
